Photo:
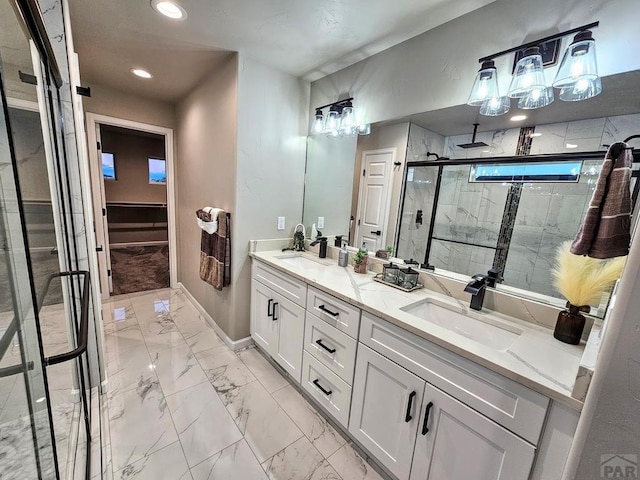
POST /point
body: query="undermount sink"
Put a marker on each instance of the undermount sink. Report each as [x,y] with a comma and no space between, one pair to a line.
[488,332]
[300,261]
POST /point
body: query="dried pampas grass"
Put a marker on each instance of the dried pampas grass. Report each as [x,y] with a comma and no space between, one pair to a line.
[583,280]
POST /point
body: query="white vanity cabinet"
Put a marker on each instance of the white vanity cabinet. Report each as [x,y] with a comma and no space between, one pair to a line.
[277,321]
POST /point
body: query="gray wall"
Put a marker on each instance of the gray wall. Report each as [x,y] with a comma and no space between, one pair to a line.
[206,176]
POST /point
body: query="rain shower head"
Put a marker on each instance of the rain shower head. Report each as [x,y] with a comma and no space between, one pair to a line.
[473,143]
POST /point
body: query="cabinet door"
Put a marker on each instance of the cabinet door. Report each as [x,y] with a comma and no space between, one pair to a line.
[456,442]
[264,330]
[290,320]
[385,408]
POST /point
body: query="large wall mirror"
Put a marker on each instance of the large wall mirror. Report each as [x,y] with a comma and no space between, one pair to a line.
[416,184]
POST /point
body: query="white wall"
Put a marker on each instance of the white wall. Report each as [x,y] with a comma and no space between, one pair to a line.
[272,127]
[436,69]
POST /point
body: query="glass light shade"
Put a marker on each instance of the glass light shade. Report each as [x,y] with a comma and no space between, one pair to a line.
[528,75]
[581,90]
[364,129]
[578,63]
[485,85]
[537,99]
[332,123]
[495,106]
[348,121]
[318,122]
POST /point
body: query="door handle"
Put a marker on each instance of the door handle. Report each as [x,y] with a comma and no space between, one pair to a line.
[425,428]
[269,304]
[376,232]
[330,350]
[326,310]
[316,382]
[273,314]
[407,416]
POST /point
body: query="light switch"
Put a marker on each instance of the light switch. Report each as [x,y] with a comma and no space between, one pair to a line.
[280,223]
[320,222]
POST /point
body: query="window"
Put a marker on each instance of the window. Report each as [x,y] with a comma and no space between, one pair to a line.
[157,171]
[526,172]
[108,166]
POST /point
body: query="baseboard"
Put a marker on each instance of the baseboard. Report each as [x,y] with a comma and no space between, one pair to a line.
[232,344]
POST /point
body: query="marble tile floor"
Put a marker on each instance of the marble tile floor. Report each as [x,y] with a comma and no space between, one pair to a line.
[182,405]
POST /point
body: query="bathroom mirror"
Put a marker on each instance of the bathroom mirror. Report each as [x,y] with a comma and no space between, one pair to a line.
[386,213]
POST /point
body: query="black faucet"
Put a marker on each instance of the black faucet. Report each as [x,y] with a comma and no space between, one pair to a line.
[476,287]
[494,275]
[323,246]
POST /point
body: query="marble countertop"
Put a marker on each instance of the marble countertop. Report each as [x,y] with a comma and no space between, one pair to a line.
[535,360]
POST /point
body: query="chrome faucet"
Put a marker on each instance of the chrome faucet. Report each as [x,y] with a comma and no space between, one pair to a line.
[476,287]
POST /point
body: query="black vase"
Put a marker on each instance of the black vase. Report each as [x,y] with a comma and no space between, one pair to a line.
[570,324]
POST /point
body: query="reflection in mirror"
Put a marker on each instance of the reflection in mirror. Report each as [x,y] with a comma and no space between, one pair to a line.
[328,184]
[472,212]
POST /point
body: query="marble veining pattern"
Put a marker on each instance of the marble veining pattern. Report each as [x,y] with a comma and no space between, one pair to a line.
[195,410]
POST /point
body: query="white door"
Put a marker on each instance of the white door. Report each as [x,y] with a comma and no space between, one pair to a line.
[264,330]
[290,320]
[385,410]
[101,224]
[374,198]
[457,442]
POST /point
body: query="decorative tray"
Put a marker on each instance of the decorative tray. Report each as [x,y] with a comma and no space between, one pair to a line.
[378,278]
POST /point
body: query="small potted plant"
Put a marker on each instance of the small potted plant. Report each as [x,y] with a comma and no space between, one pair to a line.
[582,281]
[385,254]
[360,261]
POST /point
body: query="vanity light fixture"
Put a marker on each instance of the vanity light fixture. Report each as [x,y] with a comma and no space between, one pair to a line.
[340,120]
[142,73]
[577,77]
[169,9]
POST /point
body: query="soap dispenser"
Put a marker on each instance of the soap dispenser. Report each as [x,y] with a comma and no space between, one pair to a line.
[343,257]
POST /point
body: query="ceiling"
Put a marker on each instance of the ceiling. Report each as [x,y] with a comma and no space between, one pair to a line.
[306,38]
[619,97]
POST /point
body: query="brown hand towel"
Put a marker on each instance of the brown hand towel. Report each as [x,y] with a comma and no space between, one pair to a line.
[605,230]
[215,252]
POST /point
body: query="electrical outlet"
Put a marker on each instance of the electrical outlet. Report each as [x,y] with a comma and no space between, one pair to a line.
[280,223]
[320,222]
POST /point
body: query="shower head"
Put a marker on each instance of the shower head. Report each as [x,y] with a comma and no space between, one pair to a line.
[473,143]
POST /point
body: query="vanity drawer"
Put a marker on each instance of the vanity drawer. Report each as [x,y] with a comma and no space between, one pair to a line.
[337,313]
[289,287]
[336,397]
[508,403]
[320,339]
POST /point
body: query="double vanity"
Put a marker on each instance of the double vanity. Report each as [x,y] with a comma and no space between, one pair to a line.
[427,387]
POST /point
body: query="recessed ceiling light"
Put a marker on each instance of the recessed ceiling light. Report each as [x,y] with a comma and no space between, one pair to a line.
[572,145]
[139,72]
[169,9]
[518,118]
[535,135]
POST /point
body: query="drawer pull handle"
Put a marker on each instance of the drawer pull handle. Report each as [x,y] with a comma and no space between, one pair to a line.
[269,304]
[425,428]
[326,310]
[330,350]
[275,304]
[408,417]
[317,384]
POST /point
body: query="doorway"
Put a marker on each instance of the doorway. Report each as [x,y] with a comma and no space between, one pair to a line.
[132,187]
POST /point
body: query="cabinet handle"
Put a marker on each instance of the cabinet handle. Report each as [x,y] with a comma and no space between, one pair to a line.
[408,417]
[275,304]
[330,350]
[326,310]
[425,428]
[317,384]
[269,313]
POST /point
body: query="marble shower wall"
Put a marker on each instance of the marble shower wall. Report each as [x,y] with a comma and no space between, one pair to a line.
[412,241]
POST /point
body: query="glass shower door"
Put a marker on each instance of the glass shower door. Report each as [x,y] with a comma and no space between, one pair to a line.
[27,448]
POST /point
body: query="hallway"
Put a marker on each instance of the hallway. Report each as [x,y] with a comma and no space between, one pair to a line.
[182,405]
